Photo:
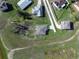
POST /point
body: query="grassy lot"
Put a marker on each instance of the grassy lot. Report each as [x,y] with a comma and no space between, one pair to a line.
[13,40]
[61,51]
[3,51]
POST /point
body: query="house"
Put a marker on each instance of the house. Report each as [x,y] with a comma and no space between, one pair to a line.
[3,6]
[76,6]
[24,3]
[38,10]
[66,25]
[41,30]
[60,3]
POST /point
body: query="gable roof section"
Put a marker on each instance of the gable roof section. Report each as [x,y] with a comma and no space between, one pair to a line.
[76,5]
[66,25]
[60,3]
[37,10]
[24,3]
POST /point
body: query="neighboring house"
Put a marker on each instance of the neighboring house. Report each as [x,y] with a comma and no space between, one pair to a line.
[66,25]
[60,3]
[3,6]
[24,3]
[76,6]
[41,30]
[38,10]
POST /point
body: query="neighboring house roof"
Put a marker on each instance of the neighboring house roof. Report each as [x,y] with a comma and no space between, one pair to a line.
[3,5]
[60,3]
[76,5]
[38,10]
[24,3]
[65,25]
[41,30]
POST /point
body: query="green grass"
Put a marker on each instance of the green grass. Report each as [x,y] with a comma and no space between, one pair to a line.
[50,52]
[43,51]
[13,40]
[3,51]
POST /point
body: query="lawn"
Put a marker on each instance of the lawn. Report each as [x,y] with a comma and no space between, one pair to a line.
[61,51]
[43,51]
[13,40]
[3,51]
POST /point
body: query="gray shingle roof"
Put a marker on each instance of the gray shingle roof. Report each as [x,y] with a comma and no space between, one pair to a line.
[65,25]
[41,29]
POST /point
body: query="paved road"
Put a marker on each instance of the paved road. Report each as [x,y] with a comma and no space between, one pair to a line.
[52,14]
[50,18]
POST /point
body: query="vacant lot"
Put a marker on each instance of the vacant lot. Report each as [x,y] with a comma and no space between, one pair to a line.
[13,40]
[62,51]
[43,51]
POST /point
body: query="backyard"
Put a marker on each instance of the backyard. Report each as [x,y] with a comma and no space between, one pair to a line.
[43,45]
[62,51]
[11,39]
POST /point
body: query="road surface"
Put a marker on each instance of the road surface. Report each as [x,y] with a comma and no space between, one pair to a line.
[52,26]
[52,14]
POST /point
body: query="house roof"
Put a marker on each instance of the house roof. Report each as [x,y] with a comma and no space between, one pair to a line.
[60,3]
[37,10]
[65,25]
[24,3]
[76,5]
[3,5]
[41,29]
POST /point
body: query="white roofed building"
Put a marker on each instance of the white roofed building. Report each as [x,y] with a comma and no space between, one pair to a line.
[24,3]
[76,5]
[60,3]
[41,29]
[66,25]
[38,10]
